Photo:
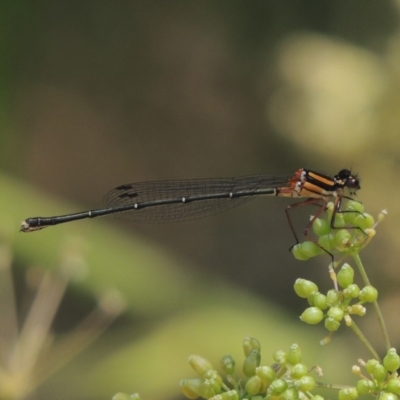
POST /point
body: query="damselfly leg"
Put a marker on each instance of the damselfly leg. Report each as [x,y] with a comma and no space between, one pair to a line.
[322,207]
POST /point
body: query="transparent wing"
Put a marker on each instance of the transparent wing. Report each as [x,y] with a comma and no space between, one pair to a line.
[149,193]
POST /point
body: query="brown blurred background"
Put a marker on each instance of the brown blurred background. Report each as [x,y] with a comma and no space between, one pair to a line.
[101,93]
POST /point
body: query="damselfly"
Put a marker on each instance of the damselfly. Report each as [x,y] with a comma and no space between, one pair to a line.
[167,201]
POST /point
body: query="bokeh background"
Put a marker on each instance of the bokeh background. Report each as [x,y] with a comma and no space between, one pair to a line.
[95,94]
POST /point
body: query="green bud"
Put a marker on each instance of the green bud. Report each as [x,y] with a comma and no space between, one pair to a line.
[278,386]
[120,396]
[380,373]
[339,221]
[357,309]
[229,395]
[331,324]
[321,227]
[212,374]
[348,394]
[134,396]
[356,370]
[266,373]
[307,250]
[250,344]
[327,242]
[352,291]
[388,396]
[251,362]
[353,205]
[332,297]
[294,354]
[253,385]
[298,254]
[350,216]
[336,313]
[307,383]
[312,315]
[329,210]
[364,386]
[279,356]
[207,389]
[370,365]
[345,276]
[290,394]
[199,364]
[393,386]
[298,371]
[391,361]
[343,239]
[368,294]
[305,288]
[365,221]
[317,397]
[228,364]
[191,387]
[318,300]
[217,383]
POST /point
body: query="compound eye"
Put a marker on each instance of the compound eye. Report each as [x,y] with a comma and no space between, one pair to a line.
[344,174]
[353,183]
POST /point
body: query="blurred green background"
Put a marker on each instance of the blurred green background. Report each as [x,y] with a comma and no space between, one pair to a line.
[95,94]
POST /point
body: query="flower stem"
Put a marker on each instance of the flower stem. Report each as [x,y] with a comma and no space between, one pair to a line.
[363,339]
[378,312]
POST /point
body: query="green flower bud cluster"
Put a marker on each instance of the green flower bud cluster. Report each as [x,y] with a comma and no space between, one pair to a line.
[287,378]
[208,385]
[336,305]
[353,230]
[381,379]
